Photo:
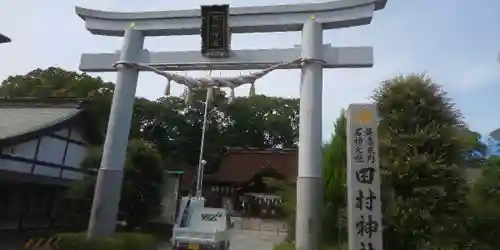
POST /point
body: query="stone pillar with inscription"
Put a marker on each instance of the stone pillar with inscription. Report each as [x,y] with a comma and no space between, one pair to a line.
[363,179]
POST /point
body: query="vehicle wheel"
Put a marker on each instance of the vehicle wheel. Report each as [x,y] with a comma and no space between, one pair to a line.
[221,246]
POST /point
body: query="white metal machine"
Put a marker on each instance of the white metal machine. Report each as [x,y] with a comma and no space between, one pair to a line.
[201,228]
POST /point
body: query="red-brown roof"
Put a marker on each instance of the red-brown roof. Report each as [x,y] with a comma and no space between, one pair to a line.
[241,165]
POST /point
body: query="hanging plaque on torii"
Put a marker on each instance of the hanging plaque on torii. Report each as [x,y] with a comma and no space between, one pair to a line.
[215,37]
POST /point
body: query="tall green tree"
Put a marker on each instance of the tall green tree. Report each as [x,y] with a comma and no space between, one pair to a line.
[140,196]
[335,191]
[484,201]
[421,152]
[262,121]
[54,82]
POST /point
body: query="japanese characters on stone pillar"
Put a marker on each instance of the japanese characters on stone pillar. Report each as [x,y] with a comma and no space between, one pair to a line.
[363,179]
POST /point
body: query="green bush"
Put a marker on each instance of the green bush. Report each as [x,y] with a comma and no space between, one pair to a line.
[119,241]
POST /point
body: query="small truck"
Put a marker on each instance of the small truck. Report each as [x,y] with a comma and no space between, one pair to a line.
[201,228]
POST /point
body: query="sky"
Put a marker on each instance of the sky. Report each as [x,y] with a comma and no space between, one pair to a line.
[456,42]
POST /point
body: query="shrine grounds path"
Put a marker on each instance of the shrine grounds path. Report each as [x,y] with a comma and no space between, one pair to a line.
[253,234]
[250,234]
[249,240]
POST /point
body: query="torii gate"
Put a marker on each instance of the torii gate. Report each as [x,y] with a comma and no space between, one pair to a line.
[311,19]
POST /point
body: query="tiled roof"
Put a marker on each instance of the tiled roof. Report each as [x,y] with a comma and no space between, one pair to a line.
[19,118]
[242,165]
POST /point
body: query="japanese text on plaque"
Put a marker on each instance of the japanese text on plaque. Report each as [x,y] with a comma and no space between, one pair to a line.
[367,220]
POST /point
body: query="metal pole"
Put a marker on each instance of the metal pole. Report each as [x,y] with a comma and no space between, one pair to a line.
[201,163]
[309,182]
[104,211]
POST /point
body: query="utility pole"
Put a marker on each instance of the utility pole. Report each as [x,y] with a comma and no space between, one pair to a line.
[314,56]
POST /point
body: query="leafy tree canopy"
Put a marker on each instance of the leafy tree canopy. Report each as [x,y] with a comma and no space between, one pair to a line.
[421,149]
[141,188]
[335,186]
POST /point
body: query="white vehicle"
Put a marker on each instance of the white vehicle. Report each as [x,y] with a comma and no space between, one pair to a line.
[201,228]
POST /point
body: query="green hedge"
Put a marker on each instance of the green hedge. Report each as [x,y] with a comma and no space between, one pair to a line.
[119,241]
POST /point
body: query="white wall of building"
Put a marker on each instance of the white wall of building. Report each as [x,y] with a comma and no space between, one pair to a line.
[52,153]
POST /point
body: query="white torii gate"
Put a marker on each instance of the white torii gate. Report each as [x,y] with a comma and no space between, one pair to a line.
[311,19]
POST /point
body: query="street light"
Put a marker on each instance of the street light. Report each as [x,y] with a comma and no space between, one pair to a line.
[4,39]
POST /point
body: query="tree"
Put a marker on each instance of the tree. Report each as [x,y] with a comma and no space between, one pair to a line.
[141,190]
[484,201]
[54,82]
[143,176]
[476,151]
[335,189]
[262,121]
[474,143]
[421,150]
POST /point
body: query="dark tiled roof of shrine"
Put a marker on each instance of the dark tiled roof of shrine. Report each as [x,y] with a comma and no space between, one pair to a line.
[241,165]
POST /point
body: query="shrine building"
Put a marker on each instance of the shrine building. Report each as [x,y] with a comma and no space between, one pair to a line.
[239,184]
[42,143]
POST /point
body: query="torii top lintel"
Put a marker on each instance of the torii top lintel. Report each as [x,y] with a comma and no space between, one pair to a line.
[278,18]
